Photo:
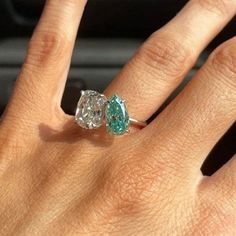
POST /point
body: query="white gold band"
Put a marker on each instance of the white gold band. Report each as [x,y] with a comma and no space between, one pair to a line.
[137,122]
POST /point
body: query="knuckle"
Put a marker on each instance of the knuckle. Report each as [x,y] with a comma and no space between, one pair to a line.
[47,47]
[223,61]
[221,7]
[129,186]
[167,55]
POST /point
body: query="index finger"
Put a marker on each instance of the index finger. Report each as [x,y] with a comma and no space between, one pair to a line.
[40,86]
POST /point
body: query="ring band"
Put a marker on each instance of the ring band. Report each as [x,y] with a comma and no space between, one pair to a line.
[94,108]
[137,123]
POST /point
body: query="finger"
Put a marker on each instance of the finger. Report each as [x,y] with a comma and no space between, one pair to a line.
[204,110]
[163,61]
[41,83]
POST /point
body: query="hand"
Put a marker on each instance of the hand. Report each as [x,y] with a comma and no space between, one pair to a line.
[58,179]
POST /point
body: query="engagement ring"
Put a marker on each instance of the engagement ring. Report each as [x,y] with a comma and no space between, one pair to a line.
[94,109]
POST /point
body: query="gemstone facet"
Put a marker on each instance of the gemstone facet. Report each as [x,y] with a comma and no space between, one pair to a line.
[90,109]
[117,118]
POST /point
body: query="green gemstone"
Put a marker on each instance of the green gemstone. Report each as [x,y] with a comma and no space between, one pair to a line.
[117,118]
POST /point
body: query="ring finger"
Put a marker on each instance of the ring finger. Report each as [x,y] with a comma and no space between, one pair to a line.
[166,57]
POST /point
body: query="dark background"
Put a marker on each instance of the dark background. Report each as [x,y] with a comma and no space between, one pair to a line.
[110,32]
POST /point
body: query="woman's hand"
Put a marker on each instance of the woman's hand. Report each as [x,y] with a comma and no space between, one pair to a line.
[57,179]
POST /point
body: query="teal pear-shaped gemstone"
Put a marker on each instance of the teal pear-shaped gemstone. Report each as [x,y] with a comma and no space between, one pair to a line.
[117,118]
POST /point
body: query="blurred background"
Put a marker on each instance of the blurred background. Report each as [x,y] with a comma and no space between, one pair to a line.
[110,32]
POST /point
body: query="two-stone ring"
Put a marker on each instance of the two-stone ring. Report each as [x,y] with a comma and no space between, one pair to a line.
[94,108]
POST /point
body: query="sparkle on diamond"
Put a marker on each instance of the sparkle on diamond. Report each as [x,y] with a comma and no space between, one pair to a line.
[117,117]
[90,109]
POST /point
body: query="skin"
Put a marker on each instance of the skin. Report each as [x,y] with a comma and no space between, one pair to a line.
[58,179]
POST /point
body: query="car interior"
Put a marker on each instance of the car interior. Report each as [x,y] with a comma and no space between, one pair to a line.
[110,33]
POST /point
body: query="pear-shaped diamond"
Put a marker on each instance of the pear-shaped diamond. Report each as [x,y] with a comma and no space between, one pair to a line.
[90,109]
[117,118]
